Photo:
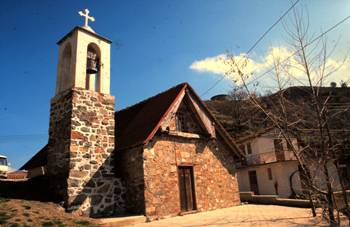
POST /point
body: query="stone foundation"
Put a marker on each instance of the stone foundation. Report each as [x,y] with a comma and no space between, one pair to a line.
[80,155]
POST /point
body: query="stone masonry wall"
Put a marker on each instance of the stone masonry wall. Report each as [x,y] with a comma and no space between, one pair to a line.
[130,166]
[214,175]
[81,145]
[59,144]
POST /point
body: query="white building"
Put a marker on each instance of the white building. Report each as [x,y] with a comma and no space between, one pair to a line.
[271,167]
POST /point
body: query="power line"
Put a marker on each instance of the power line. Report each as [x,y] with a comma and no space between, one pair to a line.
[272,26]
[255,44]
[295,52]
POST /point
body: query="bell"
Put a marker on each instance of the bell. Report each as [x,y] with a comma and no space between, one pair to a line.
[91,64]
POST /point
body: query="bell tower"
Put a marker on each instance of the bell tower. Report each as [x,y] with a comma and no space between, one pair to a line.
[83,60]
[81,133]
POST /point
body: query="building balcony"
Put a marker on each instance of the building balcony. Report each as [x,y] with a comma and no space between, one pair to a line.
[268,157]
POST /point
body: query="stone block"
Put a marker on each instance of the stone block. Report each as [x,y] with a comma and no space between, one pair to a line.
[96,199]
[78,174]
[77,135]
[99,150]
[104,188]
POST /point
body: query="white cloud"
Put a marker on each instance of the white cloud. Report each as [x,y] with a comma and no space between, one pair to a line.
[222,65]
[212,65]
[292,70]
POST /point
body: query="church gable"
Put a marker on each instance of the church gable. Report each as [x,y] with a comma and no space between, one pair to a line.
[187,116]
[138,124]
[184,119]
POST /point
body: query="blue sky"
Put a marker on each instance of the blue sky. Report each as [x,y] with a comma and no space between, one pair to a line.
[154,45]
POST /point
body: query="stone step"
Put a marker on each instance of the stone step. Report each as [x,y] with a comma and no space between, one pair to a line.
[122,221]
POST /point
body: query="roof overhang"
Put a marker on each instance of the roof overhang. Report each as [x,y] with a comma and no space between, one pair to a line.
[78,28]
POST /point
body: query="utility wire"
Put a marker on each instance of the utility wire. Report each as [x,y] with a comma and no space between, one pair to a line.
[295,52]
[272,26]
[255,44]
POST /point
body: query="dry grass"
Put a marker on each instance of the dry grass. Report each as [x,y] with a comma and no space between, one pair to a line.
[22,213]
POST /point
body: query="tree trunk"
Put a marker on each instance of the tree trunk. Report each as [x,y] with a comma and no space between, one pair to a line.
[329,198]
[346,209]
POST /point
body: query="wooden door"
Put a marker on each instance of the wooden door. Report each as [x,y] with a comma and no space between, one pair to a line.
[186,184]
[253,180]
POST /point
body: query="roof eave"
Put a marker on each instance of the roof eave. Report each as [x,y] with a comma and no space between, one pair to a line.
[86,31]
[220,128]
[153,132]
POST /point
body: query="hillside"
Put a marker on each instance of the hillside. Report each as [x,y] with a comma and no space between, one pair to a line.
[240,117]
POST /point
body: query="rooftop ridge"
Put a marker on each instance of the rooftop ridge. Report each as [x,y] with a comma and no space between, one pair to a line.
[151,97]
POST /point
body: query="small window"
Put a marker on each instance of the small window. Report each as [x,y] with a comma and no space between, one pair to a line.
[249,148]
[278,145]
[180,122]
[3,162]
[269,173]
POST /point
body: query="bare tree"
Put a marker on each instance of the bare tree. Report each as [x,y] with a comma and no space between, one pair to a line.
[245,116]
[309,118]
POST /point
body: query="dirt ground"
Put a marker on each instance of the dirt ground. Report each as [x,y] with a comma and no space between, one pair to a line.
[245,215]
[23,213]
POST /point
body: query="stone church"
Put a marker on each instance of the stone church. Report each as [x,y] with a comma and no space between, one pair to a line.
[164,156]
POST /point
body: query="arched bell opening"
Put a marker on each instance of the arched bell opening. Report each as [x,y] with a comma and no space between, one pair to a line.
[93,57]
[65,68]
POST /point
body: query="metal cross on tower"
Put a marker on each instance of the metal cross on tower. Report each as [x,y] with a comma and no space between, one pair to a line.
[87,17]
